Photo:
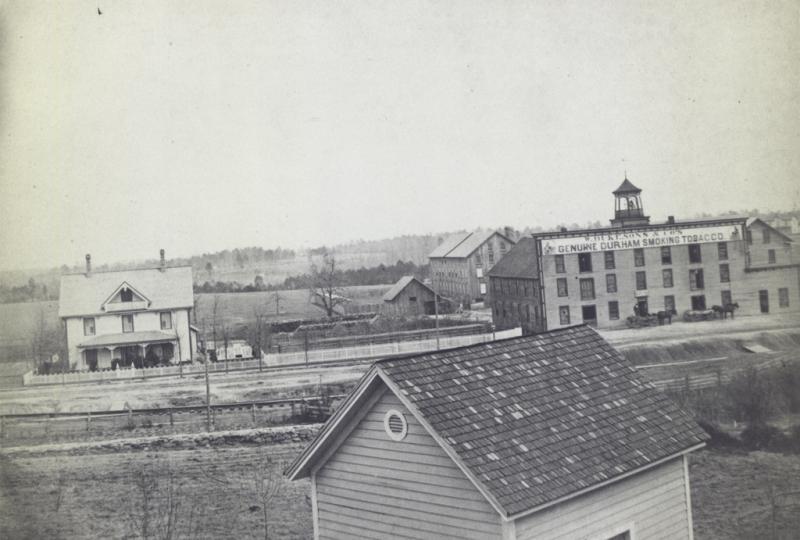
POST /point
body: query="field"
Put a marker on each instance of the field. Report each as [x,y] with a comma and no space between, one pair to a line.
[82,494]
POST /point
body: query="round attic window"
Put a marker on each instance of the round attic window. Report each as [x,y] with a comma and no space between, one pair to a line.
[395,425]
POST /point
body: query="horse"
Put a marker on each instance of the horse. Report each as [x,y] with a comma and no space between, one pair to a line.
[664,316]
[724,310]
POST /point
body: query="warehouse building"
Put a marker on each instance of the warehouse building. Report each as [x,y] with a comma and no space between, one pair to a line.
[602,276]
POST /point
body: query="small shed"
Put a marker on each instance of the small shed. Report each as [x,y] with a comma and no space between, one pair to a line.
[546,436]
[409,297]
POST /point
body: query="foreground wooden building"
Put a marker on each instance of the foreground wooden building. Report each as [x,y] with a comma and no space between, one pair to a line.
[545,436]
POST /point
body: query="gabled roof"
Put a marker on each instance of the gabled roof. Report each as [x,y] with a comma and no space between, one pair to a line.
[463,245]
[530,421]
[626,187]
[401,284]
[519,262]
[753,220]
[169,288]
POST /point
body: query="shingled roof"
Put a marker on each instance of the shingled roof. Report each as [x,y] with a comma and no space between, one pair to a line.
[462,245]
[519,262]
[401,284]
[531,420]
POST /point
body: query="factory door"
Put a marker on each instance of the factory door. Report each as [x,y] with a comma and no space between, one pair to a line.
[589,315]
[763,300]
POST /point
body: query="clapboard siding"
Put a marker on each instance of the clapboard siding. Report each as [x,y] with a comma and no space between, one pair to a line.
[654,501]
[374,487]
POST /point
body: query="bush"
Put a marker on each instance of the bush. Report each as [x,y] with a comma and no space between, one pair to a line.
[765,437]
[787,384]
[751,397]
[719,438]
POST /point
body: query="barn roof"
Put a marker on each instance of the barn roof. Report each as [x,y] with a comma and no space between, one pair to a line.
[531,420]
[519,262]
[753,220]
[401,284]
[167,288]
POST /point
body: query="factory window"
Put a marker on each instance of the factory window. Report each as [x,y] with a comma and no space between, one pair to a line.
[638,257]
[724,273]
[696,279]
[783,297]
[561,285]
[585,262]
[726,298]
[669,304]
[611,283]
[560,264]
[699,303]
[587,289]
[666,255]
[771,255]
[609,258]
[666,276]
[765,235]
[695,255]
[613,310]
[88,326]
[641,281]
[722,250]
[563,314]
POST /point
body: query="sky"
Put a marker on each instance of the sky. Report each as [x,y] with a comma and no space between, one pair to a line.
[198,126]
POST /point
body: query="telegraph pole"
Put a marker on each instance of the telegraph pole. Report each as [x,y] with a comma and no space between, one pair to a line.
[436,312]
[208,395]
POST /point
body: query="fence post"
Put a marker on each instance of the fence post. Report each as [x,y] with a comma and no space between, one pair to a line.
[171,419]
[253,413]
[88,420]
[686,381]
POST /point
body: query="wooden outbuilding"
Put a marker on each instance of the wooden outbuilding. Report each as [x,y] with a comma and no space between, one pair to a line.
[552,435]
[410,297]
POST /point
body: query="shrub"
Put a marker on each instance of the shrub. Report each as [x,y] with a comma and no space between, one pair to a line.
[719,438]
[750,397]
[765,437]
[787,383]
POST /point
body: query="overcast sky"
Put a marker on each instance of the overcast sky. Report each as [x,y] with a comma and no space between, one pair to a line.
[198,126]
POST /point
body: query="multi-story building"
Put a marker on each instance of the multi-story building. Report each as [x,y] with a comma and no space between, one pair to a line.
[601,276]
[514,289]
[128,317]
[460,263]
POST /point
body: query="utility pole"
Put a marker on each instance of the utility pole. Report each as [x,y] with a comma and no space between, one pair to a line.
[208,394]
[436,312]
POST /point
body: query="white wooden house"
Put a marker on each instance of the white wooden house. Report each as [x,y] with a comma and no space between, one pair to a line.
[128,317]
[545,436]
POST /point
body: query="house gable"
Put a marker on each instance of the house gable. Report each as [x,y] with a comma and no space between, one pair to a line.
[391,488]
[126,294]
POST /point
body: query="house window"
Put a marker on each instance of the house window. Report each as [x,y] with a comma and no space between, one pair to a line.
[479,272]
[765,236]
[585,262]
[502,248]
[666,276]
[695,255]
[641,281]
[771,255]
[638,257]
[126,295]
[563,314]
[724,273]
[696,279]
[88,326]
[587,289]
[561,284]
[410,298]
[609,258]
[560,264]
[127,323]
[611,283]
[491,255]
[483,289]
[783,297]
[666,255]
[166,320]
[722,250]
[726,298]
[613,310]
[669,304]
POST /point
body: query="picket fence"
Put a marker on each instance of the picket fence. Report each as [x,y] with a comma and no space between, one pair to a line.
[302,358]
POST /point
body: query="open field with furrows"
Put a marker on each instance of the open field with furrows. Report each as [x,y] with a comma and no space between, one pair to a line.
[79,494]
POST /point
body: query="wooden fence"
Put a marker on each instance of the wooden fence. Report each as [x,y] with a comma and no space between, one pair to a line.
[292,359]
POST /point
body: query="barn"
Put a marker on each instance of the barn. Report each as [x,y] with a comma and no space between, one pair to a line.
[546,436]
[411,297]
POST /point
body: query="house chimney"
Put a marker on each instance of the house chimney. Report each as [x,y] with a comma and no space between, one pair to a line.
[671,220]
[510,233]
[163,263]
[88,264]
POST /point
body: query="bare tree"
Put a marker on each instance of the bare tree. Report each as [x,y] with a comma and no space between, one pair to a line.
[267,485]
[45,341]
[259,334]
[325,285]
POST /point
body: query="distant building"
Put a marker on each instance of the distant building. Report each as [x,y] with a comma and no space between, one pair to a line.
[514,289]
[230,350]
[460,263]
[545,436]
[786,225]
[601,276]
[128,317]
[410,297]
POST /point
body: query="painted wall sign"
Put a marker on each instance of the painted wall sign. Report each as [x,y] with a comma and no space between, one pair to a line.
[630,239]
